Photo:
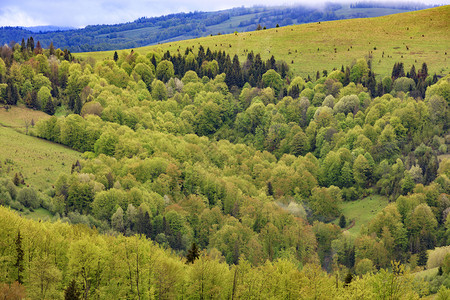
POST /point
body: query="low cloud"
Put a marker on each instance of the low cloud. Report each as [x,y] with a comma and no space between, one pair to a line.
[14,16]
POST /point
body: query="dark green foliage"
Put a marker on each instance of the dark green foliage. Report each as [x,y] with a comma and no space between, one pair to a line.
[342,221]
[49,107]
[143,223]
[18,179]
[422,257]
[192,254]
[116,56]
[19,258]
[72,292]
[348,279]
[269,189]
[397,71]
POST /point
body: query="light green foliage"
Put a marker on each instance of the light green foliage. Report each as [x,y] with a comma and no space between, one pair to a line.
[190,76]
[164,70]
[2,67]
[273,80]
[362,171]
[40,81]
[44,95]
[359,71]
[325,202]
[106,143]
[297,82]
[159,91]
[240,172]
[404,84]
[43,65]
[422,220]
[105,203]
[347,104]
[307,93]
[28,197]
[146,73]
[442,88]
[364,266]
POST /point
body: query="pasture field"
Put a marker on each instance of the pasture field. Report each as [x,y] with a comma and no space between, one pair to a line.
[19,118]
[39,161]
[362,211]
[412,38]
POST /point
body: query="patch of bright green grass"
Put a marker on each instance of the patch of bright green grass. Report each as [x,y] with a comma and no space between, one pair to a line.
[411,38]
[39,214]
[40,161]
[362,211]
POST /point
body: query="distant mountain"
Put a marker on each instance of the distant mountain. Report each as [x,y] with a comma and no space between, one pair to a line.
[48,28]
[148,31]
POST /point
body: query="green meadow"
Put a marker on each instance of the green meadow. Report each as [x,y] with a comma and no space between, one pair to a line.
[411,38]
[39,161]
[362,211]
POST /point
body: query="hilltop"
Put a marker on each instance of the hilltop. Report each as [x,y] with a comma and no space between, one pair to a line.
[412,37]
[181,26]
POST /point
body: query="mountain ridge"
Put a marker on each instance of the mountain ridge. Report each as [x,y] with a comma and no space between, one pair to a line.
[147,31]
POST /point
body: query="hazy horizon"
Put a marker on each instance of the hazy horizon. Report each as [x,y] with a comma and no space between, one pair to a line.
[28,13]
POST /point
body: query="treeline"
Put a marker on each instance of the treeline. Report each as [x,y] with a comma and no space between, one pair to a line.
[405,6]
[55,260]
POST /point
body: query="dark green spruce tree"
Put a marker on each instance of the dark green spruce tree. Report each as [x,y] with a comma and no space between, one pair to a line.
[192,254]
[72,292]
[19,258]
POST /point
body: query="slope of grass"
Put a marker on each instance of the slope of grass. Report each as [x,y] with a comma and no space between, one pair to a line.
[362,211]
[39,214]
[413,38]
[19,117]
[40,161]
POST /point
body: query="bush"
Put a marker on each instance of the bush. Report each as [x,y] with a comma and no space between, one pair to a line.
[16,205]
[5,198]
[28,197]
[11,188]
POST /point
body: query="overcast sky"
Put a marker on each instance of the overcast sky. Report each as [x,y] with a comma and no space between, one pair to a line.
[79,13]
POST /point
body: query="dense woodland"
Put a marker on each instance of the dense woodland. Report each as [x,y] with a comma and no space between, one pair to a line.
[211,177]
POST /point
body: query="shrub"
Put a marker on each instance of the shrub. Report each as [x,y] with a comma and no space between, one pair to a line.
[28,197]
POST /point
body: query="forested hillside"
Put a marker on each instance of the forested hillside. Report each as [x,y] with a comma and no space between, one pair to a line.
[208,175]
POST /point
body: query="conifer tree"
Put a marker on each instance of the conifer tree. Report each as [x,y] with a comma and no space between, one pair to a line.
[422,257]
[193,254]
[72,292]
[342,222]
[19,259]
[51,49]
[348,279]
[49,107]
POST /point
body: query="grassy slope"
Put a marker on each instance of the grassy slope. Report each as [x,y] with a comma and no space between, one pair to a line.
[40,161]
[16,117]
[362,211]
[424,32]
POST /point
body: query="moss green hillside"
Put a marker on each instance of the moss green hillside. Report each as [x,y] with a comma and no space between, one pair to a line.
[413,38]
[40,161]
